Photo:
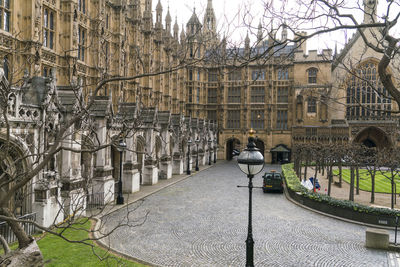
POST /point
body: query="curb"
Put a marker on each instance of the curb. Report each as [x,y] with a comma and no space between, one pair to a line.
[96,229]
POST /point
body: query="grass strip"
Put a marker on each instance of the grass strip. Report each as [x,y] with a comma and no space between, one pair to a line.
[58,252]
[382,183]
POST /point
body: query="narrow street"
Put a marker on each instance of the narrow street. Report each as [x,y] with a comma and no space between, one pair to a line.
[202,221]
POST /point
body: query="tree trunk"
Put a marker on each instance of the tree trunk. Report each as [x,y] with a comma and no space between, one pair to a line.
[392,200]
[23,239]
[373,186]
[28,256]
[358,180]
[340,174]
[305,170]
[330,176]
[351,194]
[3,242]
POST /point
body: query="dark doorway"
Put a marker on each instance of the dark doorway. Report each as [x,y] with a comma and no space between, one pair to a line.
[280,154]
[373,137]
[232,144]
[369,143]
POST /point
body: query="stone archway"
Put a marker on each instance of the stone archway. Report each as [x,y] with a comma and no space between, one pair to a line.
[13,165]
[373,137]
[231,144]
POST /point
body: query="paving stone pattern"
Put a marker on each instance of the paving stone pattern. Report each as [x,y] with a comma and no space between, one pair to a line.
[202,221]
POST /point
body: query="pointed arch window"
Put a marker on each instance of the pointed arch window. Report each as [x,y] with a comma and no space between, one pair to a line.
[82,6]
[312,75]
[48,27]
[312,104]
[366,97]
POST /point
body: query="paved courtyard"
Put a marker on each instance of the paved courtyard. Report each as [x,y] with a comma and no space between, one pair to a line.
[202,221]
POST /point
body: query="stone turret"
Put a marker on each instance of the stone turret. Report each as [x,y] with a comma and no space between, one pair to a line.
[284,33]
[147,17]
[168,21]
[209,21]
[370,11]
[176,29]
[159,15]
[193,26]
[247,45]
[183,36]
[259,34]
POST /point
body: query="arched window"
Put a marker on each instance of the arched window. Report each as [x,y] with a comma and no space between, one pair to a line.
[312,104]
[312,75]
[5,13]
[366,96]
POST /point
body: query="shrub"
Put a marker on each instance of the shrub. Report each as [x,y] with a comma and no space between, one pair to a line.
[293,183]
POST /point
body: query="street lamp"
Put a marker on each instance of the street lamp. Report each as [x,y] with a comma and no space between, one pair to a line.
[251,162]
[197,157]
[209,152]
[188,157]
[121,147]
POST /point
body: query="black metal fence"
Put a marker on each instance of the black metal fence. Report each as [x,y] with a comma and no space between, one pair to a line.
[29,228]
[95,200]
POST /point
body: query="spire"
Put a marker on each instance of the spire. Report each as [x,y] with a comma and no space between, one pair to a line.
[176,29]
[259,33]
[209,18]
[183,36]
[159,6]
[247,44]
[284,32]
[335,54]
[168,22]
[159,15]
[193,26]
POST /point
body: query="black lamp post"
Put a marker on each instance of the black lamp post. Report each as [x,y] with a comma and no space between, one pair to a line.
[215,152]
[209,151]
[188,157]
[121,147]
[251,162]
[197,157]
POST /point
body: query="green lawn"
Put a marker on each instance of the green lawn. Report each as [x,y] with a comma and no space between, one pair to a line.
[382,184]
[58,252]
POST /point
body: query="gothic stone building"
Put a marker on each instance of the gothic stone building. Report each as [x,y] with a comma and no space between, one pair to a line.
[56,50]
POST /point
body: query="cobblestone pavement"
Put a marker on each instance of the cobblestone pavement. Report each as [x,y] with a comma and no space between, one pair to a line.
[202,221]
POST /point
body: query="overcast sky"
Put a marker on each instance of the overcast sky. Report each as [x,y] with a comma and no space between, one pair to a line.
[230,13]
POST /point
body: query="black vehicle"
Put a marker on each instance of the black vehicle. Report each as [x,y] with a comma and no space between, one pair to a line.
[272,181]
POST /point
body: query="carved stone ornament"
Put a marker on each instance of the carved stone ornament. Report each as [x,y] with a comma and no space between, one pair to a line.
[38,11]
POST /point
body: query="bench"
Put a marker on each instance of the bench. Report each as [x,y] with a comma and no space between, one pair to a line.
[376,238]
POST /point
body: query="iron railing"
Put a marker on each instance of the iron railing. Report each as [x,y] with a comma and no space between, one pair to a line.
[95,200]
[29,228]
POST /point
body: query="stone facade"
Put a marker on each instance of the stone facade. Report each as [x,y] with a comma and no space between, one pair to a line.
[56,52]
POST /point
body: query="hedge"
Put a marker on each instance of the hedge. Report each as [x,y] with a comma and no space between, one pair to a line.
[293,183]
